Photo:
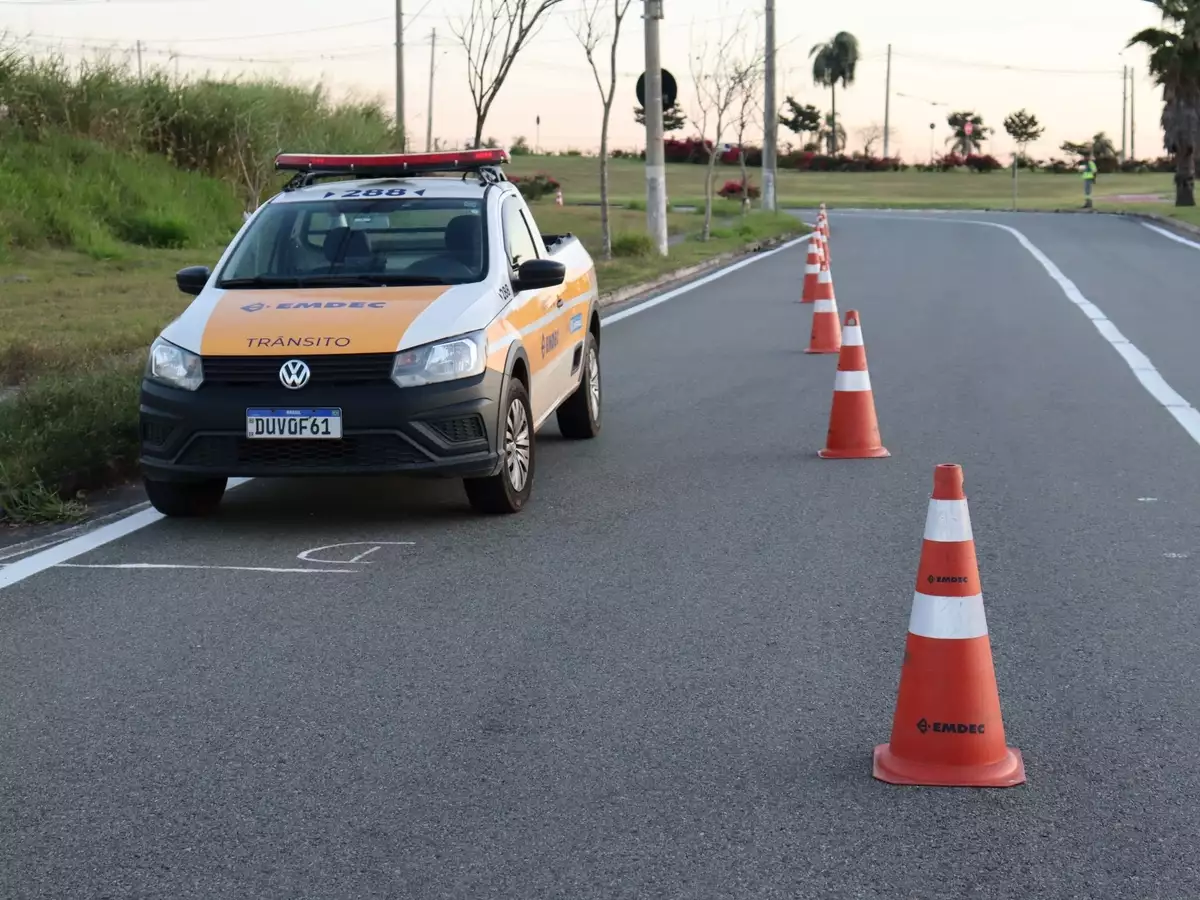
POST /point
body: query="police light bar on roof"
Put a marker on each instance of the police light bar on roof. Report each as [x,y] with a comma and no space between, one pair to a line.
[391,163]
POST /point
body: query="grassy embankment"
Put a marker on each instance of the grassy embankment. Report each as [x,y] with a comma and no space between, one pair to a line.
[107,187]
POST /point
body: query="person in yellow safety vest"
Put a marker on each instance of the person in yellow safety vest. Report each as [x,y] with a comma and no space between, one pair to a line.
[1087,168]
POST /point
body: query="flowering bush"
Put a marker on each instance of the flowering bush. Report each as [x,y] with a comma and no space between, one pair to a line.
[733,191]
[534,187]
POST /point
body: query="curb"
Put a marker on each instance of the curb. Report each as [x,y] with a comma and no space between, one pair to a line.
[637,291]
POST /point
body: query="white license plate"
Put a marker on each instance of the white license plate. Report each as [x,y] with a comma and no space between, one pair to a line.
[293,424]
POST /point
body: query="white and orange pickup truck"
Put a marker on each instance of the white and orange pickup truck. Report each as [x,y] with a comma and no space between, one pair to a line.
[396,313]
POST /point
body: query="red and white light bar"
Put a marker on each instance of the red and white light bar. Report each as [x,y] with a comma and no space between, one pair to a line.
[391,163]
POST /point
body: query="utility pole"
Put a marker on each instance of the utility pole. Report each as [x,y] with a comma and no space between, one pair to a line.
[656,169]
[1132,116]
[1124,107]
[770,117]
[887,104]
[139,53]
[400,75]
[429,116]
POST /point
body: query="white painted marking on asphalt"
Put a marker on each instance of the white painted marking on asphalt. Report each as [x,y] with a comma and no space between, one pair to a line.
[374,545]
[1175,555]
[699,282]
[269,569]
[1171,400]
[1179,239]
[23,549]
[85,543]
[1147,499]
[55,556]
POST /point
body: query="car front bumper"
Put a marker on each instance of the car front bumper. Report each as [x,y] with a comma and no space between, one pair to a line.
[449,429]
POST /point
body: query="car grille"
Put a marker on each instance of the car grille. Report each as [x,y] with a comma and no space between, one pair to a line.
[221,451]
[342,369]
[460,430]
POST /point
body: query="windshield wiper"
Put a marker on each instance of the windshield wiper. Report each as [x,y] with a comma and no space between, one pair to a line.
[331,280]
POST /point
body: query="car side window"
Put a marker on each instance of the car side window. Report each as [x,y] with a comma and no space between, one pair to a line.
[517,239]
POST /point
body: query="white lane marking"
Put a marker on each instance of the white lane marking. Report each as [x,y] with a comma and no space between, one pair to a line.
[1147,499]
[1145,372]
[1179,239]
[86,542]
[1175,555]
[1170,399]
[23,549]
[56,556]
[269,569]
[374,545]
[700,282]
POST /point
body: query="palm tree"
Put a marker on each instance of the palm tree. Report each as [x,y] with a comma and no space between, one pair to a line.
[833,62]
[1175,64]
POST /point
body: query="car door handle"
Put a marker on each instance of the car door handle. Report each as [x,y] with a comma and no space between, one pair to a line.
[559,303]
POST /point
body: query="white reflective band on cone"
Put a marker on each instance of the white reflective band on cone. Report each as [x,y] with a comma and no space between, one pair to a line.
[948,521]
[824,306]
[852,381]
[852,336]
[947,618]
[812,269]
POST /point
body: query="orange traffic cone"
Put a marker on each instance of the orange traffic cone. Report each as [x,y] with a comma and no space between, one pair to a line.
[853,427]
[823,227]
[812,269]
[947,729]
[826,336]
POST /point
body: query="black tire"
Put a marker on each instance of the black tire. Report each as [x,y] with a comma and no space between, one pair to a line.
[498,494]
[578,420]
[185,499]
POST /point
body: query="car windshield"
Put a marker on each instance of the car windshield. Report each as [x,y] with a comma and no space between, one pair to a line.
[361,243]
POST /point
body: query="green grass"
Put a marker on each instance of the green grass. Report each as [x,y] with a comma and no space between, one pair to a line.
[71,192]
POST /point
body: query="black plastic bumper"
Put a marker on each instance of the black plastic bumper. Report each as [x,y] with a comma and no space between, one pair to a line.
[446,429]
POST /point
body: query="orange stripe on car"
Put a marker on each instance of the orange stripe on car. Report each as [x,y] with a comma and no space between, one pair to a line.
[317,321]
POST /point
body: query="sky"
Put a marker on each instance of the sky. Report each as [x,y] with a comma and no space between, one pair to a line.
[1060,59]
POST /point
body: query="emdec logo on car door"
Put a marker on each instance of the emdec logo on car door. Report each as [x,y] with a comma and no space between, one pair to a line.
[549,342]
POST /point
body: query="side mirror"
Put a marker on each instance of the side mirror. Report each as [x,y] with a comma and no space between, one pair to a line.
[193,279]
[535,274]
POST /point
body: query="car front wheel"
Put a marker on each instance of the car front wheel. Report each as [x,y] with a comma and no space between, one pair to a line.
[508,490]
[185,499]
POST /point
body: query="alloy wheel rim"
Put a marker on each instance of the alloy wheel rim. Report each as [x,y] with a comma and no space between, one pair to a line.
[516,445]
[593,384]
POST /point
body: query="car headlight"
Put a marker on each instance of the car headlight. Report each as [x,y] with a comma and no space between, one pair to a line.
[461,357]
[174,366]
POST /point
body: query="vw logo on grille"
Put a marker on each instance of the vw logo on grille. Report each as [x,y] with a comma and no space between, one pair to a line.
[294,374]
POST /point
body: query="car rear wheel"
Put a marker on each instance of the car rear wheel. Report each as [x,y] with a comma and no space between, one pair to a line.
[579,415]
[508,490]
[185,499]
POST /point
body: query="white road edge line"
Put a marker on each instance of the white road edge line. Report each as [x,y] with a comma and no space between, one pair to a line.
[59,554]
[1179,239]
[272,570]
[1141,366]
[699,282]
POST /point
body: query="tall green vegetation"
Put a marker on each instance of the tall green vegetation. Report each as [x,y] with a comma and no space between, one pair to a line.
[835,60]
[1175,65]
[227,129]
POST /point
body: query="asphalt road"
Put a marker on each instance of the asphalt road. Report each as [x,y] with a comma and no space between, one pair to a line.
[665,678]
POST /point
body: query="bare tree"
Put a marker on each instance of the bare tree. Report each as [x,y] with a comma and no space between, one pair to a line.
[870,136]
[493,34]
[591,32]
[746,110]
[718,77]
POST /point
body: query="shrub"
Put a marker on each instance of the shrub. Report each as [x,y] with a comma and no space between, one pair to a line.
[808,161]
[733,189]
[534,187]
[633,244]
[63,434]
